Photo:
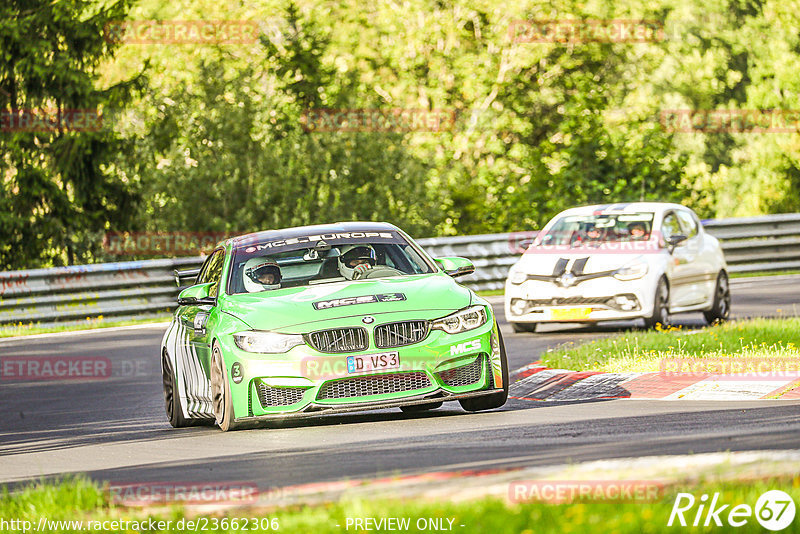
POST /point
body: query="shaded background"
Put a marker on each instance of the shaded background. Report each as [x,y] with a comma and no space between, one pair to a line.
[210,137]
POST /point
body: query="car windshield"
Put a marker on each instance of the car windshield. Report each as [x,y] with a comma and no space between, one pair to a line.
[321,259]
[583,230]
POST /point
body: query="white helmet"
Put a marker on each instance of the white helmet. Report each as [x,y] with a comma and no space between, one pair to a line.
[256,269]
[355,258]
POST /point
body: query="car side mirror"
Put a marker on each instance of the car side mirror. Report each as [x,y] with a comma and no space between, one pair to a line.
[197,294]
[184,276]
[675,240]
[456,266]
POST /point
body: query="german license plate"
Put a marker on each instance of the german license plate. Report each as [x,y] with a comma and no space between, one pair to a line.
[570,314]
[373,362]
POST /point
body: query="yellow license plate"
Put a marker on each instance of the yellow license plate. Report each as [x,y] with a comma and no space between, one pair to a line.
[570,314]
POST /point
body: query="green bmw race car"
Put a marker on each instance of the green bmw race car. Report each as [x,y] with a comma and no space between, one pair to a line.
[325,319]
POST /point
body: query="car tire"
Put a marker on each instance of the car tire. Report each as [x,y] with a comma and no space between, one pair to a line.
[660,306]
[221,401]
[172,399]
[413,408]
[520,328]
[721,309]
[493,400]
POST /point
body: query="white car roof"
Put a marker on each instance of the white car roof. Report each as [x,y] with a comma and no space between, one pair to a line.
[622,207]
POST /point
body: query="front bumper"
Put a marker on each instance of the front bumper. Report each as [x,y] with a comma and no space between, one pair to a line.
[304,382]
[314,410]
[601,299]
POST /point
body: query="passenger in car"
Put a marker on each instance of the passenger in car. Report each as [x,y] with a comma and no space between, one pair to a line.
[637,231]
[593,233]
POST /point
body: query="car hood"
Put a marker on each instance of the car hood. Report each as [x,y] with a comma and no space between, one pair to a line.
[431,295]
[543,263]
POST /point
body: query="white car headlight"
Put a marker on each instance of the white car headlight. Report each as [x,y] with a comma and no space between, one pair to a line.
[461,321]
[631,271]
[266,342]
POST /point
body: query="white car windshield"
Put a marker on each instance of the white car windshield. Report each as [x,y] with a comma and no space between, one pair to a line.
[583,230]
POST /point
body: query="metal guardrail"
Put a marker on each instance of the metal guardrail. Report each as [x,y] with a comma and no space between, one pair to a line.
[768,243]
[89,291]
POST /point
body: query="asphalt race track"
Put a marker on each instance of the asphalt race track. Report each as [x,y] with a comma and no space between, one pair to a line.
[115,429]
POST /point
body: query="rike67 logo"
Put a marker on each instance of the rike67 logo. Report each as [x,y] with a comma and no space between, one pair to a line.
[774,510]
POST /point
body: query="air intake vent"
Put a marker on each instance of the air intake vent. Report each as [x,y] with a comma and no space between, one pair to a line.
[465,374]
[400,334]
[271,397]
[339,340]
[363,386]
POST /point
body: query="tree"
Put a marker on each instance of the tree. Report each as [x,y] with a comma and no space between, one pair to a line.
[229,151]
[58,191]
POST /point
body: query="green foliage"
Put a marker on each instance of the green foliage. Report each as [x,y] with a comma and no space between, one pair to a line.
[226,155]
[57,194]
[216,141]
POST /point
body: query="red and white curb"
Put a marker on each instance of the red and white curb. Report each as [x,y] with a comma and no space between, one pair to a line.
[540,383]
[463,485]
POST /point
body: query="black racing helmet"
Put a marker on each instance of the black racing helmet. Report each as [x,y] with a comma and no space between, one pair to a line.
[359,253]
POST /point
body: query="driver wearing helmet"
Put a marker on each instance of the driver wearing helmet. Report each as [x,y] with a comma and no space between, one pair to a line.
[355,260]
[637,231]
[261,274]
[593,233]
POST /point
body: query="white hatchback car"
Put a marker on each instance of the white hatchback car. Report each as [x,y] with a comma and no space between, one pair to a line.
[615,262]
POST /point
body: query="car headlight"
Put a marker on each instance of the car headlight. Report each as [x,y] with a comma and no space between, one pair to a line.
[266,342]
[516,276]
[461,321]
[631,271]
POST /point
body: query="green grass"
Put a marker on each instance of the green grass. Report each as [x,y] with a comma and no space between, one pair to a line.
[491,292]
[90,324]
[642,351]
[762,273]
[79,500]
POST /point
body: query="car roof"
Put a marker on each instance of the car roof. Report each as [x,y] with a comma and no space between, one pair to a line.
[317,229]
[622,207]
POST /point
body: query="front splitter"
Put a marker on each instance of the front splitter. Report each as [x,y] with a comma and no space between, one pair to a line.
[313,410]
